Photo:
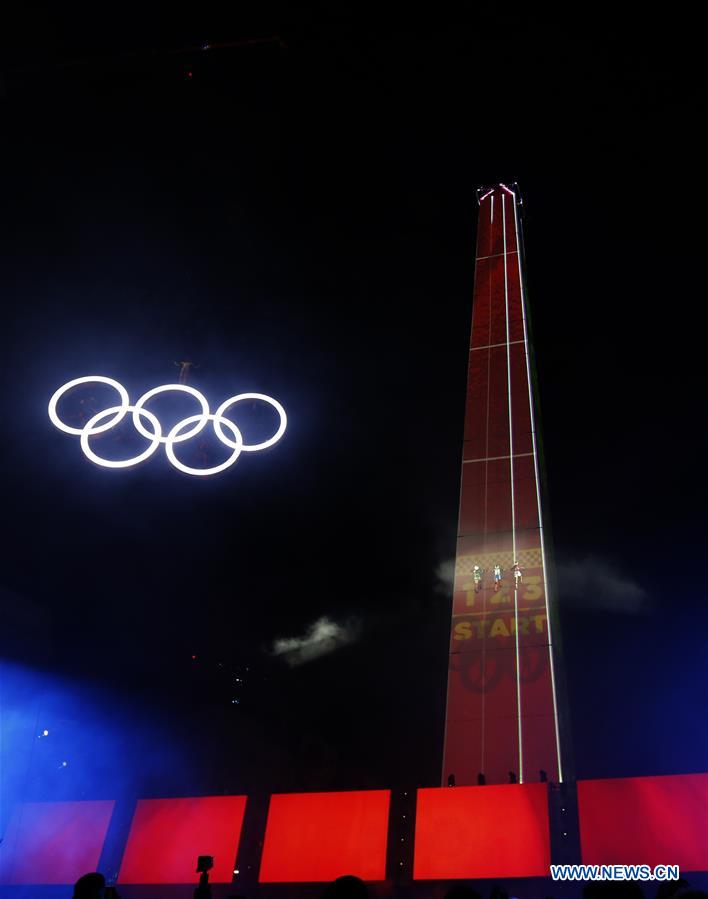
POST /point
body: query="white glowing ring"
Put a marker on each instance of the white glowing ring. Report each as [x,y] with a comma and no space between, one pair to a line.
[172,439]
[254,447]
[194,424]
[185,388]
[120,413]
[122,463]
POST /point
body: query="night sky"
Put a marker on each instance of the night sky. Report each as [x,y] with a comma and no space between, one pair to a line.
[297,216]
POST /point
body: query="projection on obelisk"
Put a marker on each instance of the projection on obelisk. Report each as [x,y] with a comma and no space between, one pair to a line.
[502,710]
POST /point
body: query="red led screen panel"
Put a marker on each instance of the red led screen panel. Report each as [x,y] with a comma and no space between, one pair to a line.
[313,837]
[53,842]
[645,821]
[501,708]
[167,835]
[491,831]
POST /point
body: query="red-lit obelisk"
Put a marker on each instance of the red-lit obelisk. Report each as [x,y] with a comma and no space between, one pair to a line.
[502,709]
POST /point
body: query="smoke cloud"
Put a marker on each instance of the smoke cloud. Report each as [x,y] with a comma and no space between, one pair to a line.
[445,577]
[322,637]
[594,584]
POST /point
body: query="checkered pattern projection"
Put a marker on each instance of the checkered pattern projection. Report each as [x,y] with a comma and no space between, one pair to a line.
[501,705]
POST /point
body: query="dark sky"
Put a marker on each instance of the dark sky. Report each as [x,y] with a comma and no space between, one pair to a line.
[298,217]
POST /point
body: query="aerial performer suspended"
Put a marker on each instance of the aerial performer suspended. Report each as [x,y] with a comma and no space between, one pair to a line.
[497,577]
[184,370]
[477,573]
[518,575]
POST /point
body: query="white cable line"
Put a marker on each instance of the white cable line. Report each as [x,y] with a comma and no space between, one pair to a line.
[513,509]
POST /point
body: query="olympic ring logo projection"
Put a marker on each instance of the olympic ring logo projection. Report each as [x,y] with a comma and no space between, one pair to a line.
[148,425]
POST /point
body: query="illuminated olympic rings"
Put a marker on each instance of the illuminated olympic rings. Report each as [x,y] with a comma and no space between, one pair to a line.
[183,430]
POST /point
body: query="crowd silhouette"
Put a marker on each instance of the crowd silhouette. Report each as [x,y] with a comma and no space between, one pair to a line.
[93,886]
